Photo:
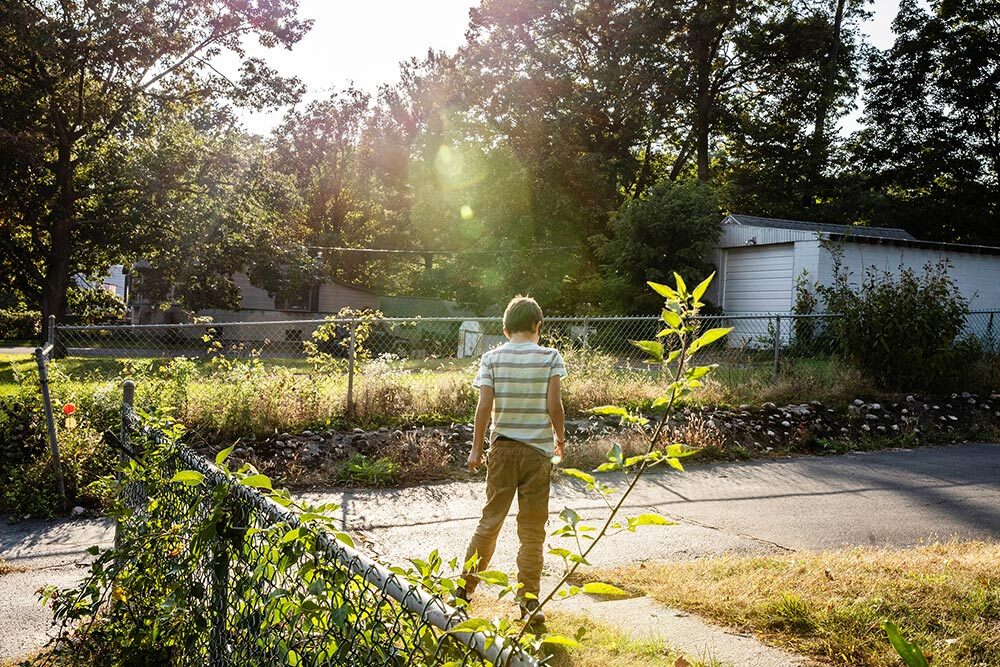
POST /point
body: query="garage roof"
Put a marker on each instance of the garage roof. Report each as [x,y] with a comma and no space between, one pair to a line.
[820,227]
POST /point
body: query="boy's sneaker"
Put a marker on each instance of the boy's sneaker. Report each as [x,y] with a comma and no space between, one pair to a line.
[528,606]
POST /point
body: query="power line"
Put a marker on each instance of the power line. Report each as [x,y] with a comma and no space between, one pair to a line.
[398,251]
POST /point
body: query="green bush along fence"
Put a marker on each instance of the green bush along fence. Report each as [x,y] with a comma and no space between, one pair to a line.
[267,603]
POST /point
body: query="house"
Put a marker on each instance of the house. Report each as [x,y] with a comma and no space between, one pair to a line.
[759,261]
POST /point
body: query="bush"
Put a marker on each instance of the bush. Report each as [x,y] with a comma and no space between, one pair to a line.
[359,469]
[20,324]
[903,330]
[94,305]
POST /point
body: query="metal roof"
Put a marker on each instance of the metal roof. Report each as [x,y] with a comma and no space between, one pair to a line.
[820,227]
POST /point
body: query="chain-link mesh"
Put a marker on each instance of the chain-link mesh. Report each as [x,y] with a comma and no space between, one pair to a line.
[764,341]
[338,608]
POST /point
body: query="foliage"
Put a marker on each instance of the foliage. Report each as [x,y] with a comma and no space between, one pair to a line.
[365,471]
[903,329]
[20,324]
[77,191]
[670,229]
[151,600]
[929,147]
[94,305]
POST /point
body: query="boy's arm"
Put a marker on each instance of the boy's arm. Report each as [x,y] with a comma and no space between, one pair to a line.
[483,411]
[553,401]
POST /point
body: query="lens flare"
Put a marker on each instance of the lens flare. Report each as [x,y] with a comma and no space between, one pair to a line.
[466,212]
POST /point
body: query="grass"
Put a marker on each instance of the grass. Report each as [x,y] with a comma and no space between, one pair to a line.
[602,645]
[831,605]
[268,395]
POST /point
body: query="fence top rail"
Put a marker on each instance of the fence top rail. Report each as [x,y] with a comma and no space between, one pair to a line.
[410,596]
[583,319]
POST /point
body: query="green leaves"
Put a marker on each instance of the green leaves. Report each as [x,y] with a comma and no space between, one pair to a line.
[908,651]
[699,291]
[221,457]
[597,588]
[610,410]
[663,290]
[651,347]
[650,519]
[257,482]
[188,478]
[708,338]
[579,474]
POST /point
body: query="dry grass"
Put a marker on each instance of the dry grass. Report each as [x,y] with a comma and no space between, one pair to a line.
[946,597]
[601,646]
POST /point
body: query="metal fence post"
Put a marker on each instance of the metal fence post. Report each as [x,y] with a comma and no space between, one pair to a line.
[586,333]
[128,399]
[777,347]
[351,354]
[52,331]
[41,356]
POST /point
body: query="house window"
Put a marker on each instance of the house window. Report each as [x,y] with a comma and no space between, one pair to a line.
[304,299]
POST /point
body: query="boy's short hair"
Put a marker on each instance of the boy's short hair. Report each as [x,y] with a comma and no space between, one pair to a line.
[522,314]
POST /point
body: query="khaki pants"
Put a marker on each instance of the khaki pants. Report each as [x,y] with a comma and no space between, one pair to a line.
[513,467]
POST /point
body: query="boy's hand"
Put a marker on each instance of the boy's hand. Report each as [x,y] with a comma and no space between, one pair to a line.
[560,448]
[475,458]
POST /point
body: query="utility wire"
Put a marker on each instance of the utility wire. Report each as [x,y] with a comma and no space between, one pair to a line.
[397,251]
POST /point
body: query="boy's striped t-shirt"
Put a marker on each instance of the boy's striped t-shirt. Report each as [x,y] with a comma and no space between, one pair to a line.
[519,374]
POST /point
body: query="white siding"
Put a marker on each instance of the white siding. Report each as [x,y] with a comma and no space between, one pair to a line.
[977,276]
[739,236]
[759,279]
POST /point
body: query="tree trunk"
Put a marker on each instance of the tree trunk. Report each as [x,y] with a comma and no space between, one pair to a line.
[57,271]
[817,154]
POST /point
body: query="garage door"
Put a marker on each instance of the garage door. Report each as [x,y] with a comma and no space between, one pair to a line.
[758,279]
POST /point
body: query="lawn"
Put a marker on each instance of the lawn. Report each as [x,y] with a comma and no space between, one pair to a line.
[831,605]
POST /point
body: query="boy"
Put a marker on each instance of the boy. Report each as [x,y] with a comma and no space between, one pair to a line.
[519,386]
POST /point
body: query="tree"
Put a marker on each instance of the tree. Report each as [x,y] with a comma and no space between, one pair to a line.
[79,80]
[670,230]
[930,148]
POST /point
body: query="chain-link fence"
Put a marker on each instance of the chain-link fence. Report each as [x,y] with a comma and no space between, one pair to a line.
[337,607]
[761,344]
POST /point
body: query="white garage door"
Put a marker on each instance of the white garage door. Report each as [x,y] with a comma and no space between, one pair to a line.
[759,279]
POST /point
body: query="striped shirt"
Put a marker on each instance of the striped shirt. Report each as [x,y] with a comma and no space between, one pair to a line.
[519,374]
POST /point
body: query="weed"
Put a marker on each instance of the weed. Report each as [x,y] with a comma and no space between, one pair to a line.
[365,471]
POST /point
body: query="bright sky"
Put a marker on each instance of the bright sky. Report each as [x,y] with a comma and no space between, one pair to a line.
[363,41]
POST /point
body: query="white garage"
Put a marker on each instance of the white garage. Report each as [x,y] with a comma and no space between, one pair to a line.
[758,261]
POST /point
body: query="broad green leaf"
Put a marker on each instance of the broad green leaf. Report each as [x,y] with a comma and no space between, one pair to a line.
[663,290]
[708,337]
[651,347]
[615,454]
[221,457]
[257,482]
[494,577]
[292,534]
[188,477]
[674,463]
[702,286]
[671,318]
[577,558]
[472,625]
[293,658]
[578,474]
[561,640]
[610,410]
[677,450]
[562,553]
[908,651]
[569,516]
[597,588]
[345,538]
[607,467]
[650,519]
[681,287]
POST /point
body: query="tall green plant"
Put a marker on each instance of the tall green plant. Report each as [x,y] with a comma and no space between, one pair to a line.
[903,329]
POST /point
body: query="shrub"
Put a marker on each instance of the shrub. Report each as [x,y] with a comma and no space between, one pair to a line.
[20,324]
[359,469]
[93,305]
[903,330]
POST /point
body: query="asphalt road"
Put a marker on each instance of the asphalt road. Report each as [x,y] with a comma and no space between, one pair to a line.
[891,498]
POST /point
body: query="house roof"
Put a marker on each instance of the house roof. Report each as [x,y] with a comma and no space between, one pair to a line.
[820,227]
[917,243]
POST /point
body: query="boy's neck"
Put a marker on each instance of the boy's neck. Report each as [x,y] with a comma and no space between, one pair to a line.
[523,337]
